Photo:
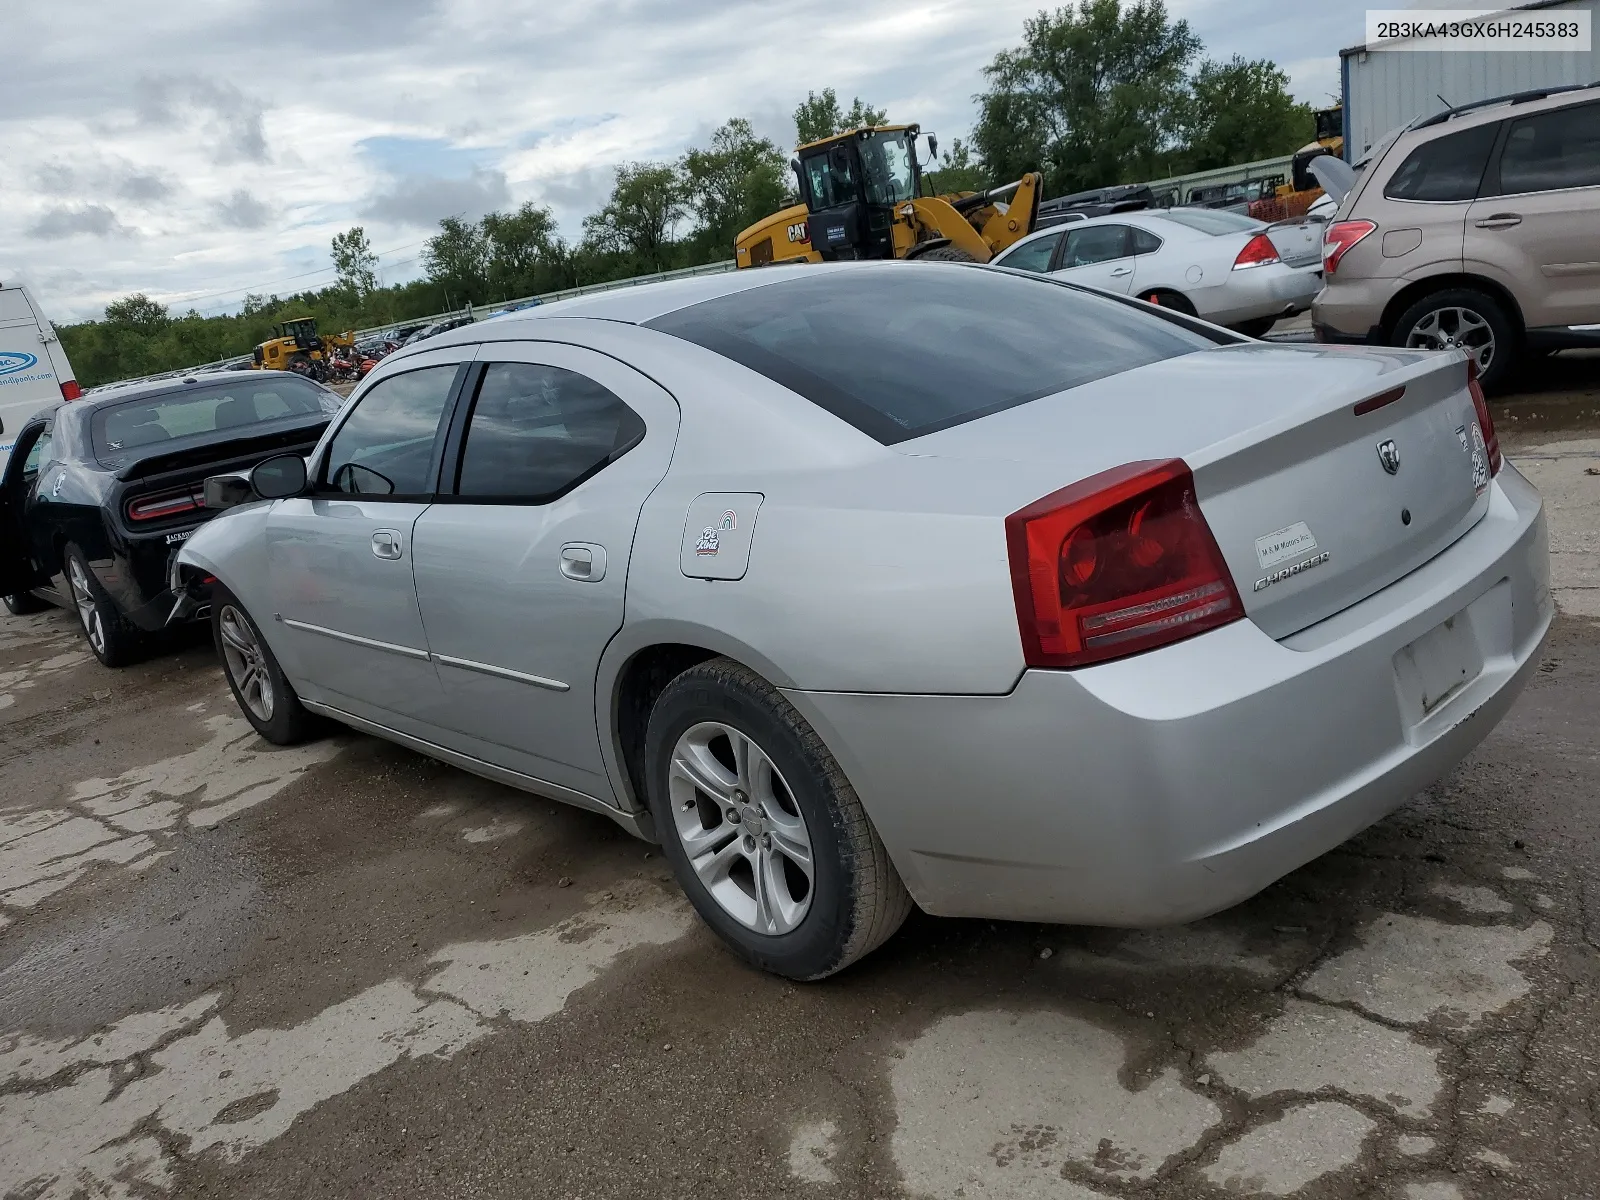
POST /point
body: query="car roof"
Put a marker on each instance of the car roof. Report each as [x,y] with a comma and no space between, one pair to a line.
[1486,112]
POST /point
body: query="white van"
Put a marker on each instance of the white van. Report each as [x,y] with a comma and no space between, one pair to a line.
[34,371]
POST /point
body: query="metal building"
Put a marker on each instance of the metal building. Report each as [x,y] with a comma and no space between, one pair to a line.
[1384,89]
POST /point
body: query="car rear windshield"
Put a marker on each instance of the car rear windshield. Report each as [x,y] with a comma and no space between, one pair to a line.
[1212,221]
[197,413]
[908,349]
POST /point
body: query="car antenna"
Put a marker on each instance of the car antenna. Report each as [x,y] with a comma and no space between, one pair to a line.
[1448,107]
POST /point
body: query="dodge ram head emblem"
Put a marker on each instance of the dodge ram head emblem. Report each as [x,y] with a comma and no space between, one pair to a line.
[1389,456]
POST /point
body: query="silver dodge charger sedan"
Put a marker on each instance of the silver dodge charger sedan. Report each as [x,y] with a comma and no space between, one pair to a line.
[867,584]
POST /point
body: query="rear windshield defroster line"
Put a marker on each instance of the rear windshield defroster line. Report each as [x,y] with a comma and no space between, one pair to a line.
[910,349]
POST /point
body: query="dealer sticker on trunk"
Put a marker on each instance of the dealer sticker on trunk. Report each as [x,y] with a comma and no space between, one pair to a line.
[1281,545]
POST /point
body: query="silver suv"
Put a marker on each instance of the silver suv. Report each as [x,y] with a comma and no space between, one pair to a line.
[1479,228]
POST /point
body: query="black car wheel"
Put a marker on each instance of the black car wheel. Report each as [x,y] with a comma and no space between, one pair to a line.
[256,680]
[1465,319]
[24,603]
[111,637]
[763,830]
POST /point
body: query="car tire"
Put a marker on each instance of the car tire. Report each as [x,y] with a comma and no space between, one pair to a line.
[1433,322]
[782,782]
[112,638]
[946,254]
[24,603]
[1176,301]
[1254,329]
[258,684]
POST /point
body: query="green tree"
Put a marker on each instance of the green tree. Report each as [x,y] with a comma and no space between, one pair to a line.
[138,312]
[526,252]
[819,116]
[354,262]
[1242,111]
[957,171]
[1095,95]
[731,184]
[638,222]
[457,259]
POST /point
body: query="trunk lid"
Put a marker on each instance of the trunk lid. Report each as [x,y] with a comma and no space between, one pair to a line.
[1298,240]
[1291,479]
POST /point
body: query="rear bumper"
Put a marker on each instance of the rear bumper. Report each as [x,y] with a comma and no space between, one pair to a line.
[1270,291]
[1174,784]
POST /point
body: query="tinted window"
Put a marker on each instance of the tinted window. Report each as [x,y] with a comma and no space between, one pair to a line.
[1145,242]
[832,178]
[1203,220]
[1552,150]
[537,431]
[197,412]
[1032,256]
[386,446]
[1095,244]
[37,457]
[1447,168]
[904,349]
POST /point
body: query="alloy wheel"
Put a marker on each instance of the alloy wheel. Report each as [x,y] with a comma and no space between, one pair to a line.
[246,662]
[1449,328]
[741,829]
[88,610]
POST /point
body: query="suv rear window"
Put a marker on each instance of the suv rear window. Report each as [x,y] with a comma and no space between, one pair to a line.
[905,349]
[1447,168]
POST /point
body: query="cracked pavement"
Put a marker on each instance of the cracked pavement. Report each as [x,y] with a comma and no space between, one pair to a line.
[342,969]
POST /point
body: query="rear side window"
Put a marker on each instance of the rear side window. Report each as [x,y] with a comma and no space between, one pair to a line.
[905,349]
[1552,150]
[1145,242]
[1034,256]
[386,445]
[538,431]
[1447,168]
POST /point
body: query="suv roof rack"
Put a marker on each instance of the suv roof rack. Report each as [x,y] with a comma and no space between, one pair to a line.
[1512,98]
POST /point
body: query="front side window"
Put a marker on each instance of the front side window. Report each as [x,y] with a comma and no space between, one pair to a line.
[886,161]
[1032,256]
[1095,244]
[385,447]
[537,431]
[902,352]
[831,175]
[1447,168]
[1552,150]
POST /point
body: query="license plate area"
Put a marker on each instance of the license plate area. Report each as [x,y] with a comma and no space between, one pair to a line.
[1436,666]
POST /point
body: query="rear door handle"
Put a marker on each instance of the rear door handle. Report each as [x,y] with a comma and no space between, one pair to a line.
[1121,271]
[583,562]
[1499,221]
[386,543]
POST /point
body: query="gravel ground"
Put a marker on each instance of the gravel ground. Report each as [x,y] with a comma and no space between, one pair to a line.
[346,970]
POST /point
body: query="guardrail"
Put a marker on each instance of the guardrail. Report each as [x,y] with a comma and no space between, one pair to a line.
[481,313]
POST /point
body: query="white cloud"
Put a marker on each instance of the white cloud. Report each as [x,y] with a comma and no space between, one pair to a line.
[513,99]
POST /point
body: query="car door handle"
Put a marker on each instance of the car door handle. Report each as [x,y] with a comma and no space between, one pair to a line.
[386,543]
[583,562]
[1499,221]
[1121,271]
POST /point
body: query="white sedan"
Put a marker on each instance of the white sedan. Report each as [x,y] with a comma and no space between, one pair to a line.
[1227,268]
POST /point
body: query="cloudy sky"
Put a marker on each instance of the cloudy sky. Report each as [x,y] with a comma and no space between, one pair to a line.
[198,150]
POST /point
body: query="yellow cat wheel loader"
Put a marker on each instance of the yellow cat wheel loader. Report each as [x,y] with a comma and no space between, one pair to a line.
[861,197]
[296,346]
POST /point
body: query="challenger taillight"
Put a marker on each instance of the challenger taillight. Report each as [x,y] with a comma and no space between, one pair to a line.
[1116,564]
[1340,239]
[154,508]
[1480,402]
[1258,252]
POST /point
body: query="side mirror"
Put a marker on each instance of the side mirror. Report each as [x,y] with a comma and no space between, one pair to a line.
[225,491]
[933,146]
[279,478]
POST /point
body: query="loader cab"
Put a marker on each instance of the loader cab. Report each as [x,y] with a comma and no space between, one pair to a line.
[302,330]
[851,184]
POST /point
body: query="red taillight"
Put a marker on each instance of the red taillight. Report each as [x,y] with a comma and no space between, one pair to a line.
[1337,242]
[1116,564]
[157,507]
[1485,422]
[70,390]
[1258,252]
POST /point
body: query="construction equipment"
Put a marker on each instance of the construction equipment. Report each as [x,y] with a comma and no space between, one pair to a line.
[861,197]
[1302,190]
[296,346]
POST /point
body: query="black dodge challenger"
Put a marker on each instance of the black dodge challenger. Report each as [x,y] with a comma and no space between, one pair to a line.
[99,492]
